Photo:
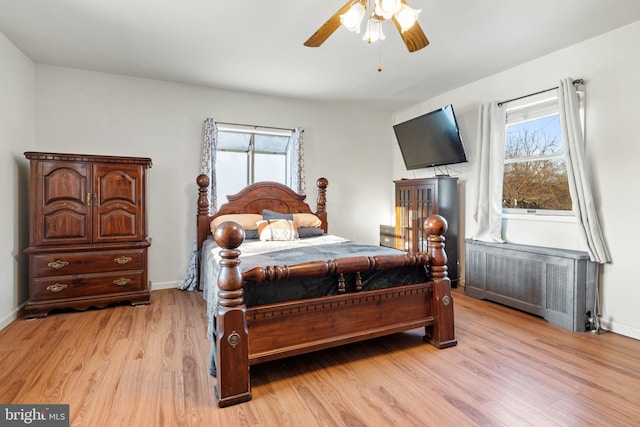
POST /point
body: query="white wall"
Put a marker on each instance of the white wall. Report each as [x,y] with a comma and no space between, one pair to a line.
[17,124]
[610,65]
[94,113]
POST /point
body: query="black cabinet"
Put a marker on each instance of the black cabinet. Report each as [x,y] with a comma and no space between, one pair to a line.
[415,201]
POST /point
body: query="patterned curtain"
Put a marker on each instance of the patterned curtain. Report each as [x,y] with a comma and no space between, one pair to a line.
[208,167]
[298,161]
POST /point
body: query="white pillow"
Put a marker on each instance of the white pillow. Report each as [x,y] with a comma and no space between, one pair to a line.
[277,229]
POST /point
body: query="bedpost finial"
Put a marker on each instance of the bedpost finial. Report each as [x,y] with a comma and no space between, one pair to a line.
[321,202]
[436,225]
[229,235]
[202,180]
[322,183]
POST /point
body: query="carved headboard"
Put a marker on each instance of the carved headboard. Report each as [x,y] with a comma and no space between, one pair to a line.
[256,197]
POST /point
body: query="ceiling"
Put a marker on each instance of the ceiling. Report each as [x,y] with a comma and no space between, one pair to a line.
[257,46]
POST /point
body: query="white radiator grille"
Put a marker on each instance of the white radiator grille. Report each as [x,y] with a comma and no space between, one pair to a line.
[557,284]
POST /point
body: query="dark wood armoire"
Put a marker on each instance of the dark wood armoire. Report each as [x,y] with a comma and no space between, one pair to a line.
[88,231]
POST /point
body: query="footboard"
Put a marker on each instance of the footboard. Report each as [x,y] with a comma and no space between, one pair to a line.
[246,336]
[282,330]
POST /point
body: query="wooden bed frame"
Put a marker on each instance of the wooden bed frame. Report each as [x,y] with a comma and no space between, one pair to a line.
[247,336]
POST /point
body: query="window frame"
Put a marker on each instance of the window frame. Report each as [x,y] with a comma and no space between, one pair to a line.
[528,108]
[251,151]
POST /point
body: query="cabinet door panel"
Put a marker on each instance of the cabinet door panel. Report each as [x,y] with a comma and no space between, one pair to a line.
[403,217]
[119,208]
[424,205]
[65,225]
[414,204]
[62,187]
[118,184]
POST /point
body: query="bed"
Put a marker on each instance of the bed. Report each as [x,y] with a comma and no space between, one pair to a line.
[257,311]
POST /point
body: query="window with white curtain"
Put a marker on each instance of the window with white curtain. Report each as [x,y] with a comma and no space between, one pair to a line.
[535,175]
[246,155]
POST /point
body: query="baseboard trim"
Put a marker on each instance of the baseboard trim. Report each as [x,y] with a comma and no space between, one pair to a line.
[13,315]
[620,329]
[157,286]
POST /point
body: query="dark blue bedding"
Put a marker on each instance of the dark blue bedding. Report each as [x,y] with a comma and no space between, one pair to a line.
[321,248]
[290,290]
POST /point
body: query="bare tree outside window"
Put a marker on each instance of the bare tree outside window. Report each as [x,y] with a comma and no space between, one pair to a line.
[535,175]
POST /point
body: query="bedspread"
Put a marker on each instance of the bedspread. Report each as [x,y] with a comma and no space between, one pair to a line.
[255,253]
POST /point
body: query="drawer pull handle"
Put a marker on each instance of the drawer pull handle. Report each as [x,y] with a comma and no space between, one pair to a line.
[122,259]
[122,281]
[57,287]
[57,264]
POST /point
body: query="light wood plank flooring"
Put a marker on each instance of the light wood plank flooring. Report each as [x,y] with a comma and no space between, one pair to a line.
[147,366]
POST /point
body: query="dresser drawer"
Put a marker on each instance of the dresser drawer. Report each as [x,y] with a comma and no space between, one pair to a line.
[91,284]
[64,263]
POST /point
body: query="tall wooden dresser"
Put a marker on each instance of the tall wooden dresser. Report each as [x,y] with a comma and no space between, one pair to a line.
[416,200]
[88,231]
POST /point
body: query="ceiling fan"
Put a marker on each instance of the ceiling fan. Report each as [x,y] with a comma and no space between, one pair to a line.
[350,15]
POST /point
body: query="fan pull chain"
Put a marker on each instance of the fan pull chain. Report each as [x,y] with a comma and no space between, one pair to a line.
[379,55]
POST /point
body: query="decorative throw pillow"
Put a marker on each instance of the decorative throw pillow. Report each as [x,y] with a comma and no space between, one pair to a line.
[277,229]
[247,221]
[306,220]
[309,232]
[251,235]
[268,214]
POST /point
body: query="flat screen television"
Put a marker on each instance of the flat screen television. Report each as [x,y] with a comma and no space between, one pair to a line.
[430,140]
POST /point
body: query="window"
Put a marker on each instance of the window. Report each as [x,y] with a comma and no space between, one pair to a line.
[246,155]
[535,174]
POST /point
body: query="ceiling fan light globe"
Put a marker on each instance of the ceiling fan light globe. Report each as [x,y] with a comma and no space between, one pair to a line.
[353,18]
[374,31]
[407,16]
[387,8]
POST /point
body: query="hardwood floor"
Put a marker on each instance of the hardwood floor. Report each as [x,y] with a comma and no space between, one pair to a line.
[147,366]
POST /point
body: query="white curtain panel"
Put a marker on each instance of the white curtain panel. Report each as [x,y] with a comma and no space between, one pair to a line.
[584,206]
[488,208]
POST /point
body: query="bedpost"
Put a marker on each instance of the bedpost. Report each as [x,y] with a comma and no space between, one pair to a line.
[202,218]
[321,204]
[231,336]
[203,208]
[441,333]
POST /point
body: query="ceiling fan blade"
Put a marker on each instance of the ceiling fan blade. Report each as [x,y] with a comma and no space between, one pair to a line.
[414,37]
[331,25]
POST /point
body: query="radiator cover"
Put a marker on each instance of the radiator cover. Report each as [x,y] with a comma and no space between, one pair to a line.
[557,284]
